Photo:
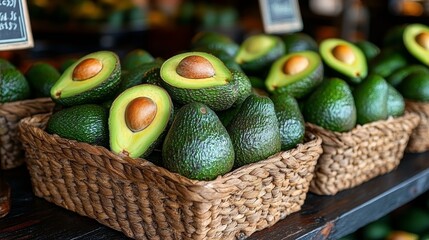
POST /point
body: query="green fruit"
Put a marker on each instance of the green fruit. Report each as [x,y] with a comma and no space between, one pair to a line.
[299,42]
[388,61]
[138,118]
[66,63]
[369,49]
[42,76]
[197,145]
[415,87]
[5,64]
[135,58]
[227,115]
[94,78]
[331,106]
[343,59]
[401,73]
[395,102]
[244,87]
[13,86]
[416,41]
[371,99]
[139,75]
[257,82]
[394,36]
[214,42]
[376,230]
[296,74]
[414,220]
[291,121]
[84,123]
[199,77]
[258,52]
[254,131]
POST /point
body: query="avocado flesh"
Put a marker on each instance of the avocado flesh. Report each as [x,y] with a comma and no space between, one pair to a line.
[136,144]
[98,88]
[169,75]
[414,48]
[298,84]
[353,72]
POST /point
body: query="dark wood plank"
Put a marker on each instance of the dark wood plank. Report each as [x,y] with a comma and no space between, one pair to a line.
[321,217]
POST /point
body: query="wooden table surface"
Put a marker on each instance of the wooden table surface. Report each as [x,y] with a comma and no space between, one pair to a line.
[321,217]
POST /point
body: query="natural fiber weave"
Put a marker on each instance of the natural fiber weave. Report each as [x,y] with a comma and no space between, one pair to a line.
[352,158]
[146,201]
[11,152]
[419,140]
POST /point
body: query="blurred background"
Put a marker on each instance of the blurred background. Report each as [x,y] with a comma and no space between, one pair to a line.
[63,29]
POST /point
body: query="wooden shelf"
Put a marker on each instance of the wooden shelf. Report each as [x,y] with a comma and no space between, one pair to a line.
[321,217]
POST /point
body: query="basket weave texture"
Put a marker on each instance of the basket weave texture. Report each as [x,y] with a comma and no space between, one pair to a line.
[11,152]
[352,158]
[419,139]
[146,201]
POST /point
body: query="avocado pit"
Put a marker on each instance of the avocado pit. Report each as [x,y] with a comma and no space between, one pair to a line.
[423,40]
[344,53]
[295,64]
[140,113]
[87,69]
[195,67]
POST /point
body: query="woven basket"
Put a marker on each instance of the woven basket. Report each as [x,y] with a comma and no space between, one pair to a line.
[352,158]
[11,152]
[419,139]
[145,201]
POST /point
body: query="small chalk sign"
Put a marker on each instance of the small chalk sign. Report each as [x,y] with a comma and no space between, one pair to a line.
[280,16]
[15,29]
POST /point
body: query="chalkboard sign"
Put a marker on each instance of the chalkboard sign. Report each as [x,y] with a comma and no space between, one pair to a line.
[15,30]
[280,16]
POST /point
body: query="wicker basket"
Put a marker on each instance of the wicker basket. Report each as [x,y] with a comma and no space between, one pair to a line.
[11,152]
[419,139]
[354,157]
[145,201]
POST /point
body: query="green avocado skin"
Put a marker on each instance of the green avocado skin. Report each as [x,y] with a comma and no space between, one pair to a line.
[254,130]
[395,102]
[13,86]
[84,123]
[415,87]
[331,106]
[291,121]
[371,99]
[197,145]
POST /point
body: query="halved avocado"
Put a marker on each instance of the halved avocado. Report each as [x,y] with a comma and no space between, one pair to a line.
[343,58]
[199,77]
[295,73]
[258,52]
[416,41]
[92,79]
[138,118]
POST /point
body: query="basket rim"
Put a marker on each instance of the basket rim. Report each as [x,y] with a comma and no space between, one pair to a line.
[407,116]
[28,123]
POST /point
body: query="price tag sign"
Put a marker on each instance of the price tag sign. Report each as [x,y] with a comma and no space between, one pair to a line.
[281,16]
[15,29]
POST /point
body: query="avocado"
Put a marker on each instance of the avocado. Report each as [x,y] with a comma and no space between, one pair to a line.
[296,74]
[415,220]
[396,77]
[13,86]
[394,36]
[199,77]
[42,76]
[254,131]
[388,61]
[415,86]
[244,87]
[416,41]
[94,78]
[299,42]
[66,63]
[331,106]
[214,42]
[375,230]
[395,102]
[138,118]
[135,58]
[343,59]
[258,52]
[84,123]
[139,75]
[369,49]
[291,121]
[5,64]
[371,99]
[197,145]
[227,115]
[257,82]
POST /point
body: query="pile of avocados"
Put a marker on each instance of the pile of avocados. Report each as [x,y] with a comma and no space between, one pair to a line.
[222,104]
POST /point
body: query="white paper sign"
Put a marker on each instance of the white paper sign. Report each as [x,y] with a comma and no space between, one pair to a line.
[281,16]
